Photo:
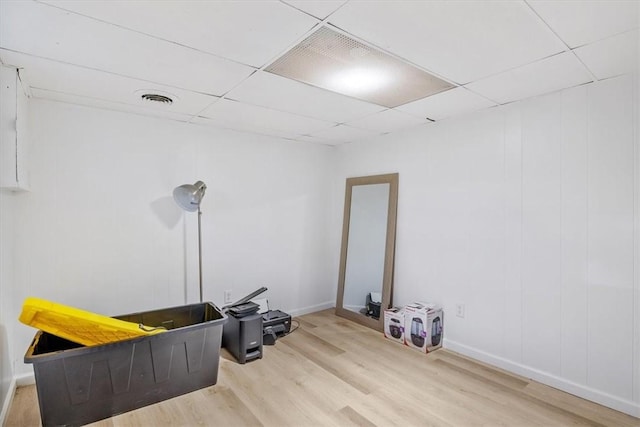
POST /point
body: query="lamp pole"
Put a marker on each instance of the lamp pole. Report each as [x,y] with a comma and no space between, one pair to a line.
[200,249]
[188,197]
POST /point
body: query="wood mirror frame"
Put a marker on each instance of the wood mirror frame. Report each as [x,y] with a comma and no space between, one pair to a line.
[389,254]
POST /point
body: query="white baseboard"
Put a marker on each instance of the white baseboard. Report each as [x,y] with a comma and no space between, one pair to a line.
[16,381]
[25,379]
[7,401]
[311,309]
[614,402]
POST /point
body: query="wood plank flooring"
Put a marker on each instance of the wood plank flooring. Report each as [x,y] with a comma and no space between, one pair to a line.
[333,372]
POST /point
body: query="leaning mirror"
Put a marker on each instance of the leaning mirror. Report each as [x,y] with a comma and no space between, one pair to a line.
[368,244]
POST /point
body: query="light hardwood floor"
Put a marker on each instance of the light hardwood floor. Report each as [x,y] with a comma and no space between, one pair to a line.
[333,372]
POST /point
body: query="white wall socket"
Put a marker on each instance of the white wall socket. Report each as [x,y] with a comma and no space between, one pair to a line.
[227,296]
[460,310]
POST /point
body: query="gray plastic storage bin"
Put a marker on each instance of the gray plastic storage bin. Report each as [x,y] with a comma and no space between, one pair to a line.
[79,385]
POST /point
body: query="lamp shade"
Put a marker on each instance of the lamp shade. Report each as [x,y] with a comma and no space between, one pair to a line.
[189,196]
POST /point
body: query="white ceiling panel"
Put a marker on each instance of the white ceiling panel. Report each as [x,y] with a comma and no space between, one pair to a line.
[316,140]
[70,79]
[342,134]
[46,31]
[272,91]
[108,105]
[246,127]
[613,56]
[551,74]
[387,121]
[446,104]
[245,115]
[582,22]
[318,8]
[250,32]
[461,41]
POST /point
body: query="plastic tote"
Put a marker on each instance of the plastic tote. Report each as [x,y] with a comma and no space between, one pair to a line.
[78,385]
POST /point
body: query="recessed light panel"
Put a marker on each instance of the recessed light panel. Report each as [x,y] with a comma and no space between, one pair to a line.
[336,62]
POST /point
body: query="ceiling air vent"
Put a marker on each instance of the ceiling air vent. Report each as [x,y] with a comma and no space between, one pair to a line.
[155,97]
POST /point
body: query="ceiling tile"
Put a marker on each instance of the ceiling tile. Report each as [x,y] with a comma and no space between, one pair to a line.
[250,32]
[242,116]
[582,22]
[461,41]
[46,31]
[613,56]
[387,121]
[108,105]
[244,127]
[272,91]
[318,8]
[447,104]
[343,134]
[316,140]
[548,75]
[82,82]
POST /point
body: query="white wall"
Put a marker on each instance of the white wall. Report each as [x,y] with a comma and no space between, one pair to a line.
[6,301]
[100,231]
[525,214]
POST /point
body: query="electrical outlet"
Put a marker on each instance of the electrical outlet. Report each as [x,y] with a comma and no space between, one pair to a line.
[460,310]
[227,296]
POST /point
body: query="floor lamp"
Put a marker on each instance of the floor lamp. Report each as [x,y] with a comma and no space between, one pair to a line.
[188,197]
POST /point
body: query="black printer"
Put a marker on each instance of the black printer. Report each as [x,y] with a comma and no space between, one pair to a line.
[275,324]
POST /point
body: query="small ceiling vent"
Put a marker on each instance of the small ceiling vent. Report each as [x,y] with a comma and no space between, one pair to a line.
[155,97]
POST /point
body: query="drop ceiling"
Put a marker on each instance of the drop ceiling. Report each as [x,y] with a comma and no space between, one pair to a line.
[212,57]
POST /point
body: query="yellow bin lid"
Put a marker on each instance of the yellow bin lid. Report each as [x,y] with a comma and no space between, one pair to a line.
[82,327]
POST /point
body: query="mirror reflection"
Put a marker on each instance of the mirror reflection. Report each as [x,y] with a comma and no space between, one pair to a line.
[368,243]
[366,249]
